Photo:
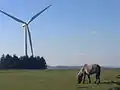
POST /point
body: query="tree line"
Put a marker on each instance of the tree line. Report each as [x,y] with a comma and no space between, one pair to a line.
[22,62]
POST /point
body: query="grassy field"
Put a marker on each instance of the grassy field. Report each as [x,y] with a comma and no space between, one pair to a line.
[51,80]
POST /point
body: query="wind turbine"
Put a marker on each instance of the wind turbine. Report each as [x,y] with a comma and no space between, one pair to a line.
[26,27]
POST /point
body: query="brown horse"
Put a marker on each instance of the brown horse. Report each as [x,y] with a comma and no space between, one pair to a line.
[88,70]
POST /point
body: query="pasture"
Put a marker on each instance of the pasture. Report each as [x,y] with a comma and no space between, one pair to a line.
[52,80]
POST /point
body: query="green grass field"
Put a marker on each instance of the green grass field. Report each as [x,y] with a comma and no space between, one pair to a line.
[51,80]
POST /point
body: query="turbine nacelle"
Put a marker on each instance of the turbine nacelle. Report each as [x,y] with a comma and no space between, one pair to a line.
[24,25]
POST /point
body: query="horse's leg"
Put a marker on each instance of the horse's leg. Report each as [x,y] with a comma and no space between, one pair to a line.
[84,78]
[97,78]
[89,78]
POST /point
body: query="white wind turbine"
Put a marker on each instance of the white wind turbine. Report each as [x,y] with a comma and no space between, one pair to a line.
[26,27]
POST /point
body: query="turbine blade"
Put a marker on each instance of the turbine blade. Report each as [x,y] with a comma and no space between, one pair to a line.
[30,40]
[38,14]
[12,17]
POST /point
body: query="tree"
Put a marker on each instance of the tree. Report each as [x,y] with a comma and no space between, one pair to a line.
[22,62]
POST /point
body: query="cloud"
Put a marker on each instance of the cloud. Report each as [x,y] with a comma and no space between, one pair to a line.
[82,54]
[94,32]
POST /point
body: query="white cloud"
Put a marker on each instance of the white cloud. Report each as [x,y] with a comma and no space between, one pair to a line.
[93,32]
[82,54]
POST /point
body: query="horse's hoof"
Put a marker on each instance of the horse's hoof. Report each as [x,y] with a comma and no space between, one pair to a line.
[83,83]
[97,83]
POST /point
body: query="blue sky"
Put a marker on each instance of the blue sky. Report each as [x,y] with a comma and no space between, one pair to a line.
[70,32]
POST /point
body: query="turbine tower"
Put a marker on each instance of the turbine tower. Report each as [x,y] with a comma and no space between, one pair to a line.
[26,27]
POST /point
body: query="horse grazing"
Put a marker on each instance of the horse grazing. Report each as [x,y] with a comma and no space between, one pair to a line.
[88,70]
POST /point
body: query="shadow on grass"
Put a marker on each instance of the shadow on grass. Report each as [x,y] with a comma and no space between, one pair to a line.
[85,87]
[118,76]
[114,88]
[111,82]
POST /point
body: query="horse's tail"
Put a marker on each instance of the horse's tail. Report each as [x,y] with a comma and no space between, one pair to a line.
[99,69]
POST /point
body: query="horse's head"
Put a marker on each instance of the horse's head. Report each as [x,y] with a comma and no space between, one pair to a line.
[79,77]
